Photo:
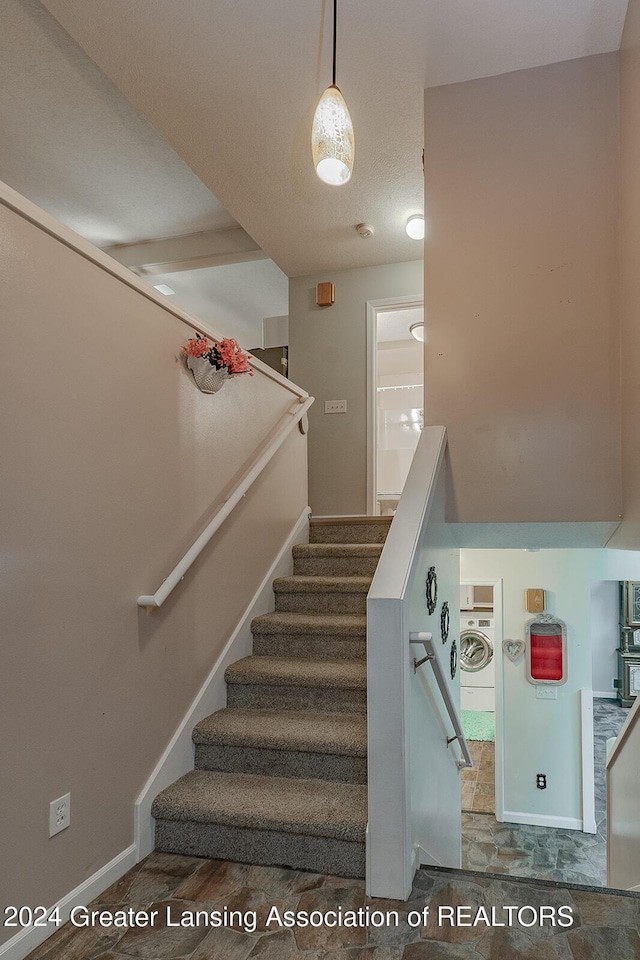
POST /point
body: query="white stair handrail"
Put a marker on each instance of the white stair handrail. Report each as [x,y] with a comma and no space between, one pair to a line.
[426,639]
[293,416]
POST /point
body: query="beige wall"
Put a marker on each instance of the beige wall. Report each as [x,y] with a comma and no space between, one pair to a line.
[521,361]
[327,356]
[628,536]
[112,459]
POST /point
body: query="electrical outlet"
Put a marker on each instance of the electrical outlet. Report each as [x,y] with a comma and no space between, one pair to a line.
[59,814]
[541,781]
[335,406]
[546,693]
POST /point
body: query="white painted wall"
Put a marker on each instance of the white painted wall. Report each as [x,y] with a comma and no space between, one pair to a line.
[544,736]
[414,783]
[605,635]
[435,779]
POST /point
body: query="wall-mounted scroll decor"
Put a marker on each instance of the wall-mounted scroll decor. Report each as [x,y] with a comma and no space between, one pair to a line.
[453,659]
[546,639]
[432,590]
[444,622]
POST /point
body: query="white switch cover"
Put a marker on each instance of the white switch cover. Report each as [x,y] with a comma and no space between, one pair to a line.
[335,406]
[546,693]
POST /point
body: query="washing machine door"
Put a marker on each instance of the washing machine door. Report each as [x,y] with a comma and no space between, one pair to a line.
[476,651]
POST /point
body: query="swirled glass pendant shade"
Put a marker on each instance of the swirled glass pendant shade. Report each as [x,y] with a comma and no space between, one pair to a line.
[332,138]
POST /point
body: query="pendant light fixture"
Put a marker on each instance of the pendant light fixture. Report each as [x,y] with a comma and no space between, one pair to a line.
[332,139]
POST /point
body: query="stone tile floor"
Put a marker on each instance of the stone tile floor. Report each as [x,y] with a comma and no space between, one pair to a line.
[603,925]
[544,853]
[541,853]
[479,781]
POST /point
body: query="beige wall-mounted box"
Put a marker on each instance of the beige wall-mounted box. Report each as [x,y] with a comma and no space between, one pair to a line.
[534,600]
[325,294]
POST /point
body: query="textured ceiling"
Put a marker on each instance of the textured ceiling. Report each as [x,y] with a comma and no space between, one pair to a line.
[394,325]
[75,146]
[232,299]
[72,144]
[232,86]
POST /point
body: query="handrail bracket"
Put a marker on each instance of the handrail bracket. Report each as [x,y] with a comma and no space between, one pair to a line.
[418,663]
[426,639]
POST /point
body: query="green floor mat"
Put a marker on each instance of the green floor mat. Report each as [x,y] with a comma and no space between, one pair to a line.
[478,725]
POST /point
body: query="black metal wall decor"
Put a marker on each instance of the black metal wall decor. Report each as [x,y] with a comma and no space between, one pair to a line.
[432,590]
[444,622]
[453,660]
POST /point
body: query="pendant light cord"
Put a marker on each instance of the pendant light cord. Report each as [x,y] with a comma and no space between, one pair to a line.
[335,19]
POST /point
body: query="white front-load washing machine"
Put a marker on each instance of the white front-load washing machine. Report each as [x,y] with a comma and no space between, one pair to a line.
[477,664]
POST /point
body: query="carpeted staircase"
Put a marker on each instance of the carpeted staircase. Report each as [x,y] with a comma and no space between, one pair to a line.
[281,773]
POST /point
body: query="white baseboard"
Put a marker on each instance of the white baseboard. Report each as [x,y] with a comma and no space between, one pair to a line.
[31,937]
[367,862]
[177,759]
[604,695]
[543,820]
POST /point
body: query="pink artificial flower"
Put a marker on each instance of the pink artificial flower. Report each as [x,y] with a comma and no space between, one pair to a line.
[196,347]
[234,359]
[239,365]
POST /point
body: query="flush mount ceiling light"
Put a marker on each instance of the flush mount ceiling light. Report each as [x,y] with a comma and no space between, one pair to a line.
[417,331]
[164,288]
[415,228]
[332,141]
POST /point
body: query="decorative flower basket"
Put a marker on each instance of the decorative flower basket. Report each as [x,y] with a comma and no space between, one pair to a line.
[207,378]
[212,363]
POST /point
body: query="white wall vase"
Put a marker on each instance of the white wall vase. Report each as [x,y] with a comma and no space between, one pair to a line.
[208,379]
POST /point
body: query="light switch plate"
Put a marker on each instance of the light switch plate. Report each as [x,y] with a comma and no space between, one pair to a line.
[335,406]
[546,693]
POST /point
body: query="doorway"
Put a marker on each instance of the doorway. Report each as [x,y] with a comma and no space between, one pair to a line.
[395,397]
[481,695]
[526,838]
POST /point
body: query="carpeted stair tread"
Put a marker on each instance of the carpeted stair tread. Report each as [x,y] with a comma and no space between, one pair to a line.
[281,772]
[290,672]
[351,521]
[311,584]
[299,624]
[307,807]
[349,529]
[304,550]
[340,734]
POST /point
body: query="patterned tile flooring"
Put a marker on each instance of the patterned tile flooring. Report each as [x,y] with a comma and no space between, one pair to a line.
[544,853]
[479,781]
[603,926]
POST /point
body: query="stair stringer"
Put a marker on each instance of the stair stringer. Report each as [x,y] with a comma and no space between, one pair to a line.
[178,757]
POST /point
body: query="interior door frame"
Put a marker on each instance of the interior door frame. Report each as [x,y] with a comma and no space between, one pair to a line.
[373,306]
[499,662]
